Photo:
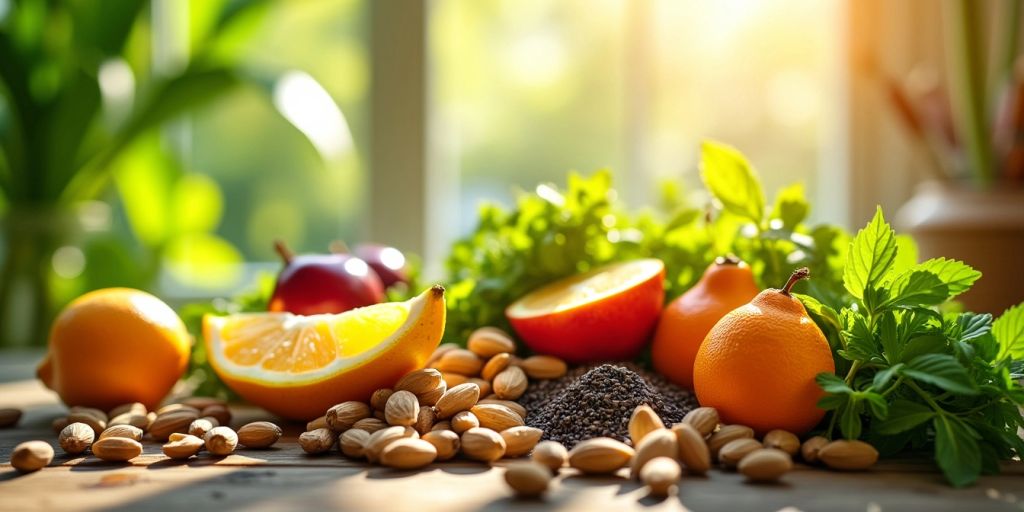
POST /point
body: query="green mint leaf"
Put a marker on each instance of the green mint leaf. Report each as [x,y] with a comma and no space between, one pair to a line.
[883,377]
[941,370]
[876,402]
[860,342]
[791,206]
[906,253]
[930,343]
[903,415]
[1009,332]
[849,418]
[832,402]
[732,180]
[870,256]
[956,451]
[831,383]
[971,326]
[825,313]
[932,282]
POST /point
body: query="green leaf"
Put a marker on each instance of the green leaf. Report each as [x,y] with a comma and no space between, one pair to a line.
[870,256]
[931,282]
[1009,332]
[790,206]
[956,451]
[906,253]
[831,383]
[883,377]
[731,179]
[972,326]
[930,343]
[941,370]
[196,203]
[816,308]
[832,402]
[903,415]
[876,402]
[849,418]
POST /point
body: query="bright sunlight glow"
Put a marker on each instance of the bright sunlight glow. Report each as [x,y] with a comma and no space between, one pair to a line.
[308,106]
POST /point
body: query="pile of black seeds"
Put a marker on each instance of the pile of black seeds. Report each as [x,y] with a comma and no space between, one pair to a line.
[597,401]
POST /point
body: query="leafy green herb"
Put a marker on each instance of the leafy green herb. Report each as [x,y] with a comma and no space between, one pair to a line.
[912,377]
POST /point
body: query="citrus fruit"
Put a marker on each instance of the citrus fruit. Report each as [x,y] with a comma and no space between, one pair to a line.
[115,346]
[604,314]
[726,285]
[298,366]
[757,365]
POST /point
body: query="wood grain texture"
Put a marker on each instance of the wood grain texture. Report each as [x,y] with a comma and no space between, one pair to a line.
[284,478]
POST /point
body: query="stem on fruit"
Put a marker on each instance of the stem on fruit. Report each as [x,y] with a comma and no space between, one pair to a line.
[798,274]
[338,247]
[728,259]
[286,254]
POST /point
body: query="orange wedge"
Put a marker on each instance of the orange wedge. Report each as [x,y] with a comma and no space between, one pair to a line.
[298,366]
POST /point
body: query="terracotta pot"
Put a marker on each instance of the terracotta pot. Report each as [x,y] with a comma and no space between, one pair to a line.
[983,228]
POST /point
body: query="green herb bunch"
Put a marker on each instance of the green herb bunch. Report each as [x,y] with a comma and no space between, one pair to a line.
[910,377]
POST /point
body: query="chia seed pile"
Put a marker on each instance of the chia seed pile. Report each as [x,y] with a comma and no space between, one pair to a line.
[597,401]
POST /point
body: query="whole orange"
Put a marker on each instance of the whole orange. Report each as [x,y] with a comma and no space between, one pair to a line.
[114,346]
[757,365]
[726,285]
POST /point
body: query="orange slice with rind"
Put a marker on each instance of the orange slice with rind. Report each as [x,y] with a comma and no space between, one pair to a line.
[299,366]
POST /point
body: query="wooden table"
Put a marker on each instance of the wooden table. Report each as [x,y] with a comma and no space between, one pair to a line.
[284,478]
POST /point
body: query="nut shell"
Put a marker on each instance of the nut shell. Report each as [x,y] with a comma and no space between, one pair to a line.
[259,434]
[528,479]
[483,444]
[31,456]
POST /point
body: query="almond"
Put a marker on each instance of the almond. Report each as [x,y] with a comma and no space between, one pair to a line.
[464,421]
[431,397]
[419,381]
[725,434]
[482,444]
[693,451]
[600,455]
[848,455]
[408,454]
[460,361]
[660,474]
[458,398]
[809,450]
[765,465]
[176,421]
[495,365]
[520,440]
[515,406]
[122,431]
[341,417]
[402,409]
[218,411]
[442,425]
[488,342]
[424,420]
[320,422]
[510,383]
[446,443]
[370,425]
[317,441]
[175,407]
[92,411]
[441,350]
[454,379]
[201,426]
[202,402]
[543,367]
[353,442]
[551,454]
[221,441]
[380,439]
[137,420]
[496,417]
[379,399]
[95,418]
[183,446]
[733,452]
[485,386]
[129,408]
[259,434]
[528,479]
[704,419]
[32,456]
[783,440]
[659,443]
[117,449]
[58,424]
[76,438]
[643,421]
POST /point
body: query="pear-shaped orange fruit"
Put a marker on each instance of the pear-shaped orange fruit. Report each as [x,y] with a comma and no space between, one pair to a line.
[757,365]
[726,285]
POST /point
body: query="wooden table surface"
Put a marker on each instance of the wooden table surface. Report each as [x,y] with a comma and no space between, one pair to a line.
[284,478]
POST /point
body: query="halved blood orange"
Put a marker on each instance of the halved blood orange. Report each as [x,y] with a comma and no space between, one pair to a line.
[298,366]
[607,313]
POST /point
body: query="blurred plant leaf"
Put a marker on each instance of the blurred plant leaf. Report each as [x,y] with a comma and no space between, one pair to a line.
[196,204]
[203,260]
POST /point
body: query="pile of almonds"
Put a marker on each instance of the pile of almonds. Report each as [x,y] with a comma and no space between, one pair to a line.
[462,402]
[661,454]
[186,428]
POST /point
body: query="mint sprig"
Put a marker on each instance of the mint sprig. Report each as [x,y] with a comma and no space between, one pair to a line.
[912,377]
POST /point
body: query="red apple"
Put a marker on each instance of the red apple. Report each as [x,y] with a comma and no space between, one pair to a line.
[605,314]
[389,263]
[312,284]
